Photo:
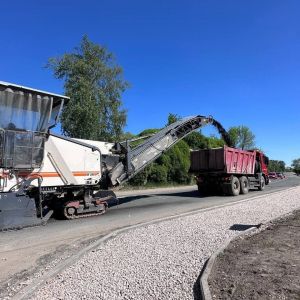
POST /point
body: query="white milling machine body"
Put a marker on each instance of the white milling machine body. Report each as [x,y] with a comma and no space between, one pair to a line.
[43,173]
[64,163]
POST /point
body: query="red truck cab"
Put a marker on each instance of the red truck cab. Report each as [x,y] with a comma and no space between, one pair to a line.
[263,161]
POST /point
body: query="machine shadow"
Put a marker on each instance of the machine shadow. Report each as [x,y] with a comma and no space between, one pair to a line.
[187,194]
[128,199]
[192,194]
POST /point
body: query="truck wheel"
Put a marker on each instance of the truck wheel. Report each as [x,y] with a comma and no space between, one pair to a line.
[244,183]
[262,184]
[235,186]
[267,180]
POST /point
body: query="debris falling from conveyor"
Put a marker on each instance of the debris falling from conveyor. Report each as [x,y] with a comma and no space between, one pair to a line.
[223,133]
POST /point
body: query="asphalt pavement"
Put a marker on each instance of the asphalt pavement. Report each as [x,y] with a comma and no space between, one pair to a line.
[29,251]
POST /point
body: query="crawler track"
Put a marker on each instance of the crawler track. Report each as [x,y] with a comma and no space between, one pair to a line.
[84,215]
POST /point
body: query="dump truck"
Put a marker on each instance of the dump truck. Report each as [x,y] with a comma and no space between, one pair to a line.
[42,173]
[229,170]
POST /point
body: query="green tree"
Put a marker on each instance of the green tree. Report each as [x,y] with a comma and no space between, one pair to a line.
[126,136]
[214,142]
[296,165]
[281,164]
[141,178]
[196,140]
[276,166]
[158,174]
[242,137]
[95,84]
[179,162]
[172,118]
[149,131]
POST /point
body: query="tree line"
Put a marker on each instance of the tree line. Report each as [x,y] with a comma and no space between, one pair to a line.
[296,166]
[276,166]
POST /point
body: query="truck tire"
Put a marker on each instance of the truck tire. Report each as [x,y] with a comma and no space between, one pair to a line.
[267,180]
[244,183]
[235,186]
[262,184]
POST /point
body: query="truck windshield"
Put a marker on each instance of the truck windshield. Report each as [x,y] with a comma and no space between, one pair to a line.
[24,111]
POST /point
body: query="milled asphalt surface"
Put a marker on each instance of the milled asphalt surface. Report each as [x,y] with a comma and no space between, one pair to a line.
[34,248]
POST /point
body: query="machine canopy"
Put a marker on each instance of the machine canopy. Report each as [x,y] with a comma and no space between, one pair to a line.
[24,111]
[25,117]
[27,109]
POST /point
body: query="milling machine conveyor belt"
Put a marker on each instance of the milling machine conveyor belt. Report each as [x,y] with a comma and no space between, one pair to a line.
[141,156]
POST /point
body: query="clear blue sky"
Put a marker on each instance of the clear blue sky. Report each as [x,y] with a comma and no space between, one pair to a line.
[236,60]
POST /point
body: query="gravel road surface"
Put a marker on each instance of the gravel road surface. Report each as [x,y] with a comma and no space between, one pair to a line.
[163,260]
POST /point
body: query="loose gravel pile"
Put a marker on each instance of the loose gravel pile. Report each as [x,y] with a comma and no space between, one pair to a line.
[163,260]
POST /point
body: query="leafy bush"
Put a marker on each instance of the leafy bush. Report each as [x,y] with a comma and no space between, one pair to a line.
[196,140]
[158,174]
[296,166]
[179,163]
[141,178]
[276,166]
[148,131]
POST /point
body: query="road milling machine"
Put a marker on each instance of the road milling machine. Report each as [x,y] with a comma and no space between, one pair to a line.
[43,173]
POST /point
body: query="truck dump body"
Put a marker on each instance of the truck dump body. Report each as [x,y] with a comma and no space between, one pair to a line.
[224,160]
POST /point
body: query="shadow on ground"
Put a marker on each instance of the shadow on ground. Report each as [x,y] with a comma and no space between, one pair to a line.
[188,194]
[196,288]
[243,227]
[124,200]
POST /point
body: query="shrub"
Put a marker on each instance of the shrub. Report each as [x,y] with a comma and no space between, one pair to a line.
[158,173]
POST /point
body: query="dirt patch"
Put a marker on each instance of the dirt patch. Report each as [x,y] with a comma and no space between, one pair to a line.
[262,266]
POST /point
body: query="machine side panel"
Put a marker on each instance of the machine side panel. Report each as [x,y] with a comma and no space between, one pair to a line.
[104,147]
[73,164]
